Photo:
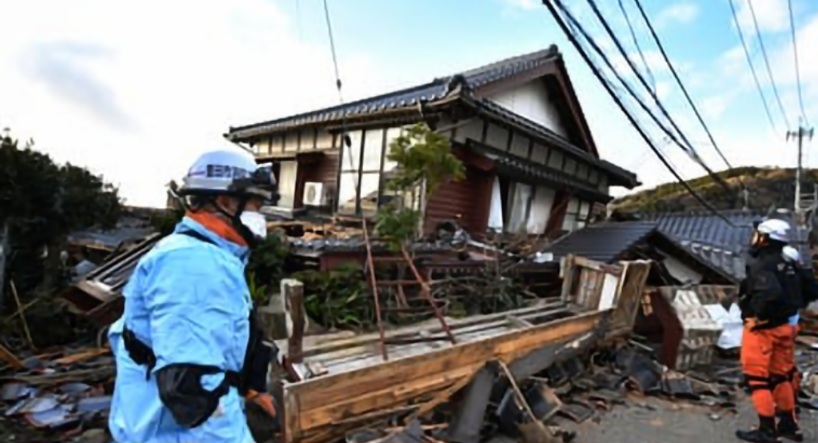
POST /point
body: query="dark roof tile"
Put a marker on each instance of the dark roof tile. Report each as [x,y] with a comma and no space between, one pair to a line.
[713,239]
[438,89]
[603,241]
[434,90]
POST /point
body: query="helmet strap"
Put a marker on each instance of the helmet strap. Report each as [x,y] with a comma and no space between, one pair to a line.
[235,220]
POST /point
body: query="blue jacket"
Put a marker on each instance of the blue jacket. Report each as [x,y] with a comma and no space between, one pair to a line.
[189,301]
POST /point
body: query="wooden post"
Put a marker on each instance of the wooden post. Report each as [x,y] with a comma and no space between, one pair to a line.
[274,316]
[293,291]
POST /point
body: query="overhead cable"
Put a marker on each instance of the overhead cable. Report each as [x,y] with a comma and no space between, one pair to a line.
[752,68]
[686,146]
[681,85]
[767,64]
[636,44]
[598,74]
[338,85]
[797,69]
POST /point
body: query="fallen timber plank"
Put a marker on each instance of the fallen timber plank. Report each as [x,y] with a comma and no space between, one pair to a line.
[318,403]
[321,348]
[347,354]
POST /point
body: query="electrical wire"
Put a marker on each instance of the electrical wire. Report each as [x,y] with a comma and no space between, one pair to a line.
[343,134]
[752,68]
[550,4]
[334,54]
[678,79]
[767,64]
[636,44]
[797,69]
[687,146]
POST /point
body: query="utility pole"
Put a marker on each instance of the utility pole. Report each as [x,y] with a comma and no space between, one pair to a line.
[799,135]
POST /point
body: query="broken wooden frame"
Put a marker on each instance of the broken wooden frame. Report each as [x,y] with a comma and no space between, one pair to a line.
[349,385]
[599,286]
[98,295]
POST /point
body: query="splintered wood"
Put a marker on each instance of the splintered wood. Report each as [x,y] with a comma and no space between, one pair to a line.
[425,368]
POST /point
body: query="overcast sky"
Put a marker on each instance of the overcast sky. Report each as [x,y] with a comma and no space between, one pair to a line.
[135,90]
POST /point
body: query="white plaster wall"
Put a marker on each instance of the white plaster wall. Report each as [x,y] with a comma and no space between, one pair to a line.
[540,210]
[472,130]
[531,101]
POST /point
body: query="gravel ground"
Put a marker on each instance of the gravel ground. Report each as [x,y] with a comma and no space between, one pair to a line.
[653,420]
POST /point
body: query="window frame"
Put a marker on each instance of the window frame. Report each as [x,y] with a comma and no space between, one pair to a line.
[358,170]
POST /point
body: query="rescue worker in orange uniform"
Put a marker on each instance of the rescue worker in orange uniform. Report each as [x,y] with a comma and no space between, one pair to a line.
[769,297]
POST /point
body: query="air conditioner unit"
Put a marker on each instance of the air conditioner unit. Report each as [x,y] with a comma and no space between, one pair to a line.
[314,194]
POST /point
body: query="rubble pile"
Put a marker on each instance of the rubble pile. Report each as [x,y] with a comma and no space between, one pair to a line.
[59,395]
[473,342]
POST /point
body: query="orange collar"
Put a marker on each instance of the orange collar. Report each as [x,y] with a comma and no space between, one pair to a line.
[218,226]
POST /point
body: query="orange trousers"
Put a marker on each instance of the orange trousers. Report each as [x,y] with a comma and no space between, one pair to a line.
[768,359]
[796,375]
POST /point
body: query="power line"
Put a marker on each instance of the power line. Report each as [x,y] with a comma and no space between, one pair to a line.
[636,44]
[334,55]
[338,85]
[682,86]
[767,63]
[687,146]
[797,70]
[752,68]
[598,74]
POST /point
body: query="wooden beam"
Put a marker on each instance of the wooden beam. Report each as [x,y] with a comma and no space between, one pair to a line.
[322,401]
[487,319]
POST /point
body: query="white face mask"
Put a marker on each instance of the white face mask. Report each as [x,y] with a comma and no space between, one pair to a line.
[255,222]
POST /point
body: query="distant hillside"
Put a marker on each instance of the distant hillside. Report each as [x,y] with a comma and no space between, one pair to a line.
[767,187]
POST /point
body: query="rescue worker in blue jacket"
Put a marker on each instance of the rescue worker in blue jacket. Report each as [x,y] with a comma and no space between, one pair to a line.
[184,345]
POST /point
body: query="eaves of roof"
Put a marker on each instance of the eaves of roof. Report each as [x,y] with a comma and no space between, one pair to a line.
[540,173]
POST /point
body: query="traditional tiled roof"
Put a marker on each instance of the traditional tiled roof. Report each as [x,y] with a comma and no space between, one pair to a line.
[435,90]
[603,242]
[720,243]
[445,90]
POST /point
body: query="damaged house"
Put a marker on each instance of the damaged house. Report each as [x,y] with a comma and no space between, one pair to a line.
[681,284]
[531,163]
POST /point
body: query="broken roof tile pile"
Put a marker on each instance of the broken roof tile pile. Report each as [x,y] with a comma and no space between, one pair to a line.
[131,227]
[59,394]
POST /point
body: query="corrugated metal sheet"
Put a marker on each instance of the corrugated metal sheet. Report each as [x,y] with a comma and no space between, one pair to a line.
[470,198]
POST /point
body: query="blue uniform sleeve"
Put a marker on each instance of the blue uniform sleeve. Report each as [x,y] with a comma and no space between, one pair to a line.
[190,317]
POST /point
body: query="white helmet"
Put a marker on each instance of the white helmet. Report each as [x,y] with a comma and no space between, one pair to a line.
[228,173]
[234,174]
[775,229]
[791,254]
